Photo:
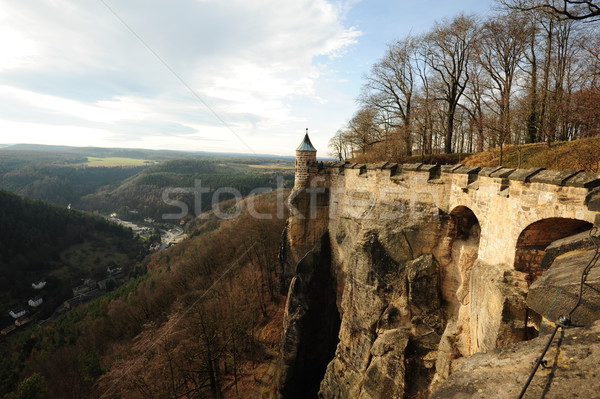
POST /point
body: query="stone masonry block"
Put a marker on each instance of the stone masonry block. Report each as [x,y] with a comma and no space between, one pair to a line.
[467,170]
[556,177]
[584,179]
[488,170]
[411,166]
[502,173]
[524,175]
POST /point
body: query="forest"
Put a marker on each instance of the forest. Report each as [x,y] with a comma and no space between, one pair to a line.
[143,192]
[62,175]
[44,242]
[528,73]
[204,321]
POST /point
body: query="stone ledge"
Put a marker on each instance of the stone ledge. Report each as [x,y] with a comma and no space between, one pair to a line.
[377,166]
[554,177]
[524,175]
[467,170]
[502,173]
[583,179]
[413,167]
[488,170]
[427,168]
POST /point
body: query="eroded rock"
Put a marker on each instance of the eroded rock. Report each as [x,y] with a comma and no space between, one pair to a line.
[556,292]
[572,369]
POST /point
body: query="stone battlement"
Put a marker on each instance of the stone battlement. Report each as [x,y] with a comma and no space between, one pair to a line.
[568,178]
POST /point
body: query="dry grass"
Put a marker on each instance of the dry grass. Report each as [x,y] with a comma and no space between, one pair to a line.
[580,154]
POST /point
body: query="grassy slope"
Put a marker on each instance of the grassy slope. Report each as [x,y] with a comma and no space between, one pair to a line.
[580,154]
[118,161]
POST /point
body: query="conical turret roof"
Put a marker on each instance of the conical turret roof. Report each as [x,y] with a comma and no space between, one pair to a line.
[306,145]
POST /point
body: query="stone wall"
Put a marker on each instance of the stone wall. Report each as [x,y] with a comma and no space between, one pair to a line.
[424,262]
[304,167]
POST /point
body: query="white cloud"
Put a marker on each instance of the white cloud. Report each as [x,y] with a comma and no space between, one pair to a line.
[249,60]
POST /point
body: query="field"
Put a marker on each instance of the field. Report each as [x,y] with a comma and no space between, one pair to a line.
[273,166]
[117,161]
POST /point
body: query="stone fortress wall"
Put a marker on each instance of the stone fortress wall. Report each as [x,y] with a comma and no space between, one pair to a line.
[433,259]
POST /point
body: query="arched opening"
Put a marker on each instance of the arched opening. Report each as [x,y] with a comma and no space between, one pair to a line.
[459,251]
[534,239]
[530,249]
[464,225]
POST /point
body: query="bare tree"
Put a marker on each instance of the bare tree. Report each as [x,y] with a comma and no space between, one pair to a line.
[564,9]
[390,85]
[475,104]
[500,52]
[363,129]
[448,52]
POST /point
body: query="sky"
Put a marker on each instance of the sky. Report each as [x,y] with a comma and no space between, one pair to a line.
[243,76]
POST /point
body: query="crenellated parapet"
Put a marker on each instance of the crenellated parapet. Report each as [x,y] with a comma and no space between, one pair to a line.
[483,230]
[492,193]
[417,249]
[567,178]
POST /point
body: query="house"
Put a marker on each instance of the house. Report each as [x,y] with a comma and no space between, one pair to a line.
[93,294]
[91,283]
[8,329]
[83,298]
[80,289]
[73,302]
[38,285]
[103,284]
[155,246]
[88,285]
[21,321]
[16,313]
[35,302]
[114,269]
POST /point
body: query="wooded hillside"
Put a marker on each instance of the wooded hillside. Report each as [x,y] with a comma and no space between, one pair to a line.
[522,75]
[205,321]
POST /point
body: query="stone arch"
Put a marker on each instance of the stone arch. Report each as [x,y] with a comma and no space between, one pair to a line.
[534,239]
[464,224]
[529,253]
[460,249]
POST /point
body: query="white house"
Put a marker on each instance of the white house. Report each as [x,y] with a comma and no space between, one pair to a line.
[16,313]
[114,269]
[35,302]
[39,285]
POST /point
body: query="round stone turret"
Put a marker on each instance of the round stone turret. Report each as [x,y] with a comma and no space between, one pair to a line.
[306,155]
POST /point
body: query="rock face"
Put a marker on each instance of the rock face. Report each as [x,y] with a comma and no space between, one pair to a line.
[557,291]
[388,294]
[571,370]
[311,325]
[388,349]
[417,269]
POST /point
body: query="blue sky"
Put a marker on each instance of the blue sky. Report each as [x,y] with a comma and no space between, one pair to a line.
[204,75]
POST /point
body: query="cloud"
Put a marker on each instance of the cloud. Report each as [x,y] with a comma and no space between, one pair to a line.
[248,60]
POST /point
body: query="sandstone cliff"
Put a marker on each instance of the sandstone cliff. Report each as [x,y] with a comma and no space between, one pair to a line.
[416,269]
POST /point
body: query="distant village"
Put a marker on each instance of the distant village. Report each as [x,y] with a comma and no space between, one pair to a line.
[83,293]
[89,288]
